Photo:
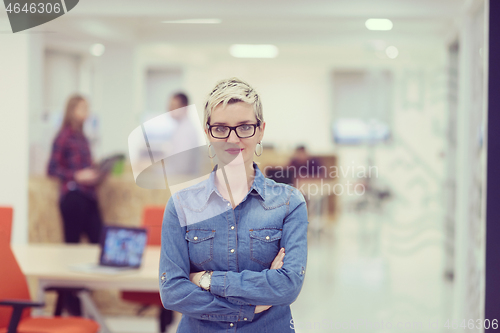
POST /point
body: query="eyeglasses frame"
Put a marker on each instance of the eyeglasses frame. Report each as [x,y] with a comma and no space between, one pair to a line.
[233,128]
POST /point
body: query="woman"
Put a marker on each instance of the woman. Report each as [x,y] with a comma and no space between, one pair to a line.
[223,262]
[71,162]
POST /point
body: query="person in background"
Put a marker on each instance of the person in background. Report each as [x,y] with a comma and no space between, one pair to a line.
[184,138]
[303,165]
[71,162]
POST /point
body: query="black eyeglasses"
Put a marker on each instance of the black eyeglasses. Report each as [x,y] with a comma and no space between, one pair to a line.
[242,131]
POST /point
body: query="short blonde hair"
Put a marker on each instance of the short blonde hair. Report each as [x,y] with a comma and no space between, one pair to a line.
[230,91]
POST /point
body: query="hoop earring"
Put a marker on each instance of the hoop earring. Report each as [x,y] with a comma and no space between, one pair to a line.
[210,145]
[261,149]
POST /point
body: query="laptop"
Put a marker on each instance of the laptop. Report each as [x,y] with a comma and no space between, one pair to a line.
[122,250]
[122,247]
[106,165]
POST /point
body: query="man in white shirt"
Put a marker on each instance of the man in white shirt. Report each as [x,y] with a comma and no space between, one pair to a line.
[184,140]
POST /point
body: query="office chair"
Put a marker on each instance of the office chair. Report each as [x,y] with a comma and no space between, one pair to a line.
[15,299]
[5,224]
[151,220]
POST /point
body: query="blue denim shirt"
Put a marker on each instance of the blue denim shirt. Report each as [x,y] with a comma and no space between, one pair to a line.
[201,231]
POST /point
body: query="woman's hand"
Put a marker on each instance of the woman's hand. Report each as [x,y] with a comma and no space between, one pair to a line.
[87,176]
[261,308]
[278,260]
[276,264]
[195,277]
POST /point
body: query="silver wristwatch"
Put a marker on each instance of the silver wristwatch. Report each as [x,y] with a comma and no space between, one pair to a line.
[205,280]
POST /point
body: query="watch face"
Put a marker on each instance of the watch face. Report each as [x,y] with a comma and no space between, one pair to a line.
[204,281]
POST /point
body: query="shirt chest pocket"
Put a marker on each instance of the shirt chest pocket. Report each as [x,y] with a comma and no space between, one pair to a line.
[201,245]
[264,245]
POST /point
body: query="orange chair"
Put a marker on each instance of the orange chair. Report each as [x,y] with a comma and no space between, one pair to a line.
[15,299]
[151,220]
[5,224]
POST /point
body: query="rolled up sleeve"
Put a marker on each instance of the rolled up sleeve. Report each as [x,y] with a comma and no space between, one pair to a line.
[273,286]
[177,292]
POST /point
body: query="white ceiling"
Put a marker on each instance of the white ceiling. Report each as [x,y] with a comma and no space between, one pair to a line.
[269,8]
[257,21]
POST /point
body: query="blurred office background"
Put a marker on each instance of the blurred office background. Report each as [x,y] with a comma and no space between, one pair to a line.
[407,100]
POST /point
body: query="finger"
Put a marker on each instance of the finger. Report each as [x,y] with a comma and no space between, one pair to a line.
[278,256]
[276,264]
[278,259]
[275,260]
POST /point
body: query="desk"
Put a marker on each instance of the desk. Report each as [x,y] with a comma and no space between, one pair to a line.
[49,265]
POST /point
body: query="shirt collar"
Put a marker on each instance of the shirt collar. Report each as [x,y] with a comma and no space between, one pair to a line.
[258,185]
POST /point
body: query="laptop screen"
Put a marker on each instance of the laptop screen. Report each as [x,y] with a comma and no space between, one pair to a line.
[122,246]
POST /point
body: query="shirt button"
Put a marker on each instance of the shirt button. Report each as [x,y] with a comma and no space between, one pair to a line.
[232,250]
[267,237]
[231,324]
[195,237]
[228,204]
[232,227]
[245,318]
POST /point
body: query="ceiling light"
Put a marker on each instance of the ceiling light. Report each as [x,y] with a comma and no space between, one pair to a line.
[253,51]
[196,21]
[97,50]
[392,52]
[378,24]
